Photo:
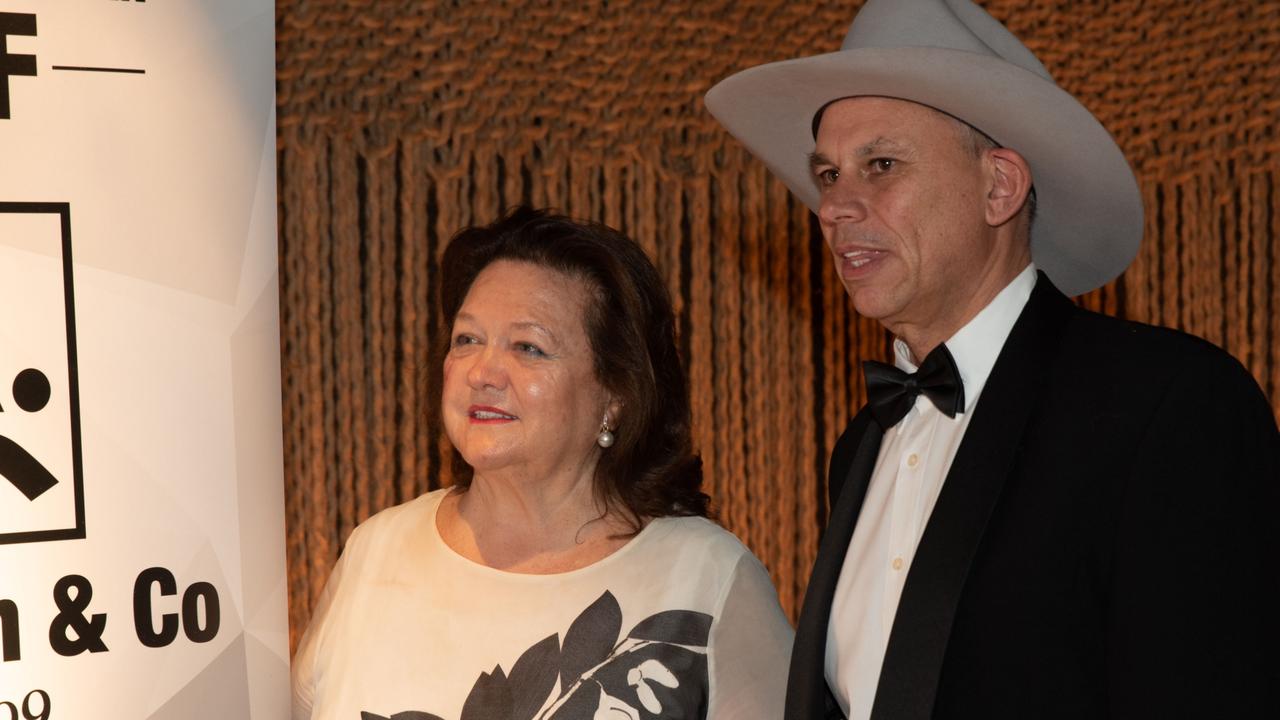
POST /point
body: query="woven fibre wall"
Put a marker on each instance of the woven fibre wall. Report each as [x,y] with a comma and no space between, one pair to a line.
[400,122]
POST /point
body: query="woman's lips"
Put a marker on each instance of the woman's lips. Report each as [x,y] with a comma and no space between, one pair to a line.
[486,415]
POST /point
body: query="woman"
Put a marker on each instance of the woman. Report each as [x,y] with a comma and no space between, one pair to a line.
[570,572]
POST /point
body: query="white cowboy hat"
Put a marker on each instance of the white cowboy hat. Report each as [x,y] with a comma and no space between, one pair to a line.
[952,56]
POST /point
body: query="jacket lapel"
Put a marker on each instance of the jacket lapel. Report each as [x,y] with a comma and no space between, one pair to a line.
[918,641]
[807,693]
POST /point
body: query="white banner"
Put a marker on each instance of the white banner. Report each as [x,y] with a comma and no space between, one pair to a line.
[141,495]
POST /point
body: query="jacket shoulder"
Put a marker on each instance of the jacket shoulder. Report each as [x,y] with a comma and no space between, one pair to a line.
[1155,352]
[1125,375]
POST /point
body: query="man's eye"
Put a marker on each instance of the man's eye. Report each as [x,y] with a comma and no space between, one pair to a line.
[828,176]
[882,165]
[529,349]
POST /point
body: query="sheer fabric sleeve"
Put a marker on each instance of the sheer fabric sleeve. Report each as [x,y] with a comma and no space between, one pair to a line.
[308,662]
[750,648]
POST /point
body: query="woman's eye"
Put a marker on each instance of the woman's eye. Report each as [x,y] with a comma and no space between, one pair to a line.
[529,349]
[463,339]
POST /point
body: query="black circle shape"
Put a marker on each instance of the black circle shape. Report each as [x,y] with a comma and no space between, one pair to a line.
[31,390]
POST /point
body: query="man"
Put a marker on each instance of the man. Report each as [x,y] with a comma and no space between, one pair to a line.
[1042,512]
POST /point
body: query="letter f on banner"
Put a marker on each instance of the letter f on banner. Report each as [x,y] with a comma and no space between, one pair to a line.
[14,24]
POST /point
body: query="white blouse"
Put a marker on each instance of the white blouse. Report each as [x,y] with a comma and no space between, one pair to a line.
[681,622]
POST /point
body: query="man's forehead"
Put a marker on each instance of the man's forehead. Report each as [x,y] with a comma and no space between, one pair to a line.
[870,124]
[879,144]
[852,134]
[871,107]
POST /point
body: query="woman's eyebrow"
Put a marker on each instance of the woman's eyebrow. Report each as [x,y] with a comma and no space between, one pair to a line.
[536,327]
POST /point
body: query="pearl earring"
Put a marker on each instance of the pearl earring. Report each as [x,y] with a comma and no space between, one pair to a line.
[605,438]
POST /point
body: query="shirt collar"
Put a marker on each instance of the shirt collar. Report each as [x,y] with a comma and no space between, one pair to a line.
[976,346]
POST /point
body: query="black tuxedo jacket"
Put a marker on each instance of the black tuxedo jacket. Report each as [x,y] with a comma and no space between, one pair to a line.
[1104,545]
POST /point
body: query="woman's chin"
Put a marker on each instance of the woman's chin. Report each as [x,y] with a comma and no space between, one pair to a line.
[492,461]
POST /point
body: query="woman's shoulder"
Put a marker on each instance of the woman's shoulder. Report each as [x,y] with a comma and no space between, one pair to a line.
[711,561]
[391,524]
[698,536]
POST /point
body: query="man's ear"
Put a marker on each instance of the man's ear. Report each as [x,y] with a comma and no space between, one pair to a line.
[1009,185]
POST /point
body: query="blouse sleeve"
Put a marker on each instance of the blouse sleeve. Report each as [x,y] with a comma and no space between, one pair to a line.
[750,648]
[306,662]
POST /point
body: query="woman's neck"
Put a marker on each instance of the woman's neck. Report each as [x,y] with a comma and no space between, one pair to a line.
[546,526]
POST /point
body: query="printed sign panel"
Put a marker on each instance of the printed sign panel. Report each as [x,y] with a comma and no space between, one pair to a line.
[141,493]
[39,411]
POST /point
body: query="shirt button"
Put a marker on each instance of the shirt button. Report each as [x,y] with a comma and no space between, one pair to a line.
[897,563]
[913,460]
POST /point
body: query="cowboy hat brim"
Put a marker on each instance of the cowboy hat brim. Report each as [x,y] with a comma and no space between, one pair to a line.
[1088,207]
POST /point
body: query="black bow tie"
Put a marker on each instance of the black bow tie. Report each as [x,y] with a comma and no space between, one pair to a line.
[891,392]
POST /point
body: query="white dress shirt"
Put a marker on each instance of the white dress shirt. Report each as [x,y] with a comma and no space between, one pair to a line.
[915,456]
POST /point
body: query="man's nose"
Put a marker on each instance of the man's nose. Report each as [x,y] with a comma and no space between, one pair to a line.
[842,202]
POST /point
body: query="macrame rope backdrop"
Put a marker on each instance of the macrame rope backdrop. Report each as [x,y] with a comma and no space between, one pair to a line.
[400,122]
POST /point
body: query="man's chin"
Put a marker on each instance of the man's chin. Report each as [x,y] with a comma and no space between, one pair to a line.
[872,303]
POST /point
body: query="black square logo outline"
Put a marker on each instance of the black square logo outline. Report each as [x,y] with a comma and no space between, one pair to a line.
[63,211]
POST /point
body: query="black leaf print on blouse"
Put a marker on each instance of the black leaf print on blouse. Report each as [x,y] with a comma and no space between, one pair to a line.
[682,627]
[657,671]
[533,678]
[490,697]
[590,638]
[650,682]
[580,704]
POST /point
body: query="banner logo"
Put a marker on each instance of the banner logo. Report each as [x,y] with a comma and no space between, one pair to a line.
[41,484]
[14,24]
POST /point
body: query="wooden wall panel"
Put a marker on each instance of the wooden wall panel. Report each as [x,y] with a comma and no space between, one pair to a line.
[400,122]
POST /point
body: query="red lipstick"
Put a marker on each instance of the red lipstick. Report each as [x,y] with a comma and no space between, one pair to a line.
[488,415]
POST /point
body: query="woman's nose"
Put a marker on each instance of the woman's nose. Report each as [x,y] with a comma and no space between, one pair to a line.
[487,370]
